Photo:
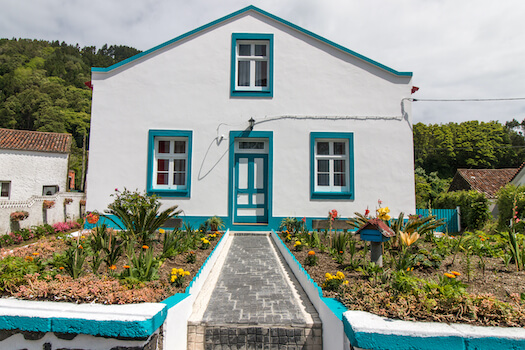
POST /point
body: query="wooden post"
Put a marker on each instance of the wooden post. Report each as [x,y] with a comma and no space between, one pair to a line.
[376,253]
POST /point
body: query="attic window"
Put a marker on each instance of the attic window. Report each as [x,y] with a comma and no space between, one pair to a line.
[252,64]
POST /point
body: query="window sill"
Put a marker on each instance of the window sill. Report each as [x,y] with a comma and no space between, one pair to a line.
[170,193]
[246,93]
[331,195]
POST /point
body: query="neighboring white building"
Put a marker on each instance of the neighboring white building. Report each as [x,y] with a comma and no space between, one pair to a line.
[34,168]
[253,119]
[32,163]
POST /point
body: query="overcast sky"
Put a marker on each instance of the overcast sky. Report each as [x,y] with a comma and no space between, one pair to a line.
[467,49]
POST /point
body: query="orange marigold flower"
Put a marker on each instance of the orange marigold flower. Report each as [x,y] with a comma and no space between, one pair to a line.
[311,252]
[449,275]
[455,273]
[35,253]
[340,252]
[126,266]
[61,268]
[145,247]
[80,247]
[112,267]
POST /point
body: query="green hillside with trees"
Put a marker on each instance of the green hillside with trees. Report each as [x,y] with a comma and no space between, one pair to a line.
[42,87]
[441,149]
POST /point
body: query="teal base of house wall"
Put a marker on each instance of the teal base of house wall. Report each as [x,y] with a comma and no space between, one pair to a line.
[274,223]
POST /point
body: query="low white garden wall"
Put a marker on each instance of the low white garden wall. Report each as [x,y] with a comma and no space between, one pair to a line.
[59,213]
[368,331]
[37,325]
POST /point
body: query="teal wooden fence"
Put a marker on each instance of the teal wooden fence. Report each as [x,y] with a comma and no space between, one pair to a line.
[450,215]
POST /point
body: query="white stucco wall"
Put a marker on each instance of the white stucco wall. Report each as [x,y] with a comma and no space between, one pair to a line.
[185,86]
[29,171]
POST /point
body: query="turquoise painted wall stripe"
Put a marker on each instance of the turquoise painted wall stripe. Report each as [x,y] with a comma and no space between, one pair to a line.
[113,328]
[264,13]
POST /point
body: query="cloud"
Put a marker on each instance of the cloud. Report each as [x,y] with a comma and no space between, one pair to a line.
[456,49]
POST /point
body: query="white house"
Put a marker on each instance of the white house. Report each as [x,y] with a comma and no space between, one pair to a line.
[253,119]
[32,163]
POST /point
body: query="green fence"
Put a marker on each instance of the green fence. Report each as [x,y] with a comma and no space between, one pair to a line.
[451,217]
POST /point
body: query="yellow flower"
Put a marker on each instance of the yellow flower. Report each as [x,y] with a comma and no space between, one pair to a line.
[328,276]
[340,275]
[173,278]
[407,238]
[449,275]
[455,273]
[186,273]
[297,243]
[161,230]
[382,213]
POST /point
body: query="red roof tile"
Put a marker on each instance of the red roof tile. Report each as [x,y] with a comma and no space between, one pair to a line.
[25,140]
[487,181]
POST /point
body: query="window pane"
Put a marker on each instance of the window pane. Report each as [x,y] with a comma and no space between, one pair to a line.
[260,50]
[163,165]
[162,178]
[251,145]
[180,164]
[164,146]
[323,148]
[244,73]
[179,179]
[339,179]
[323,179]
[244,49]
[339,165]
[339,148]
[261,73]
[4,189]
[323,166]
[180,147]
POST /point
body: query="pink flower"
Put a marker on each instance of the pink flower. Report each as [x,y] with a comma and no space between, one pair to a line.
[116,189]
[379,201]
[517,220]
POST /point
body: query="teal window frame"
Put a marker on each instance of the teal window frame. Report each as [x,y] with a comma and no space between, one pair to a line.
[348,137]
[152,134]
[251,37]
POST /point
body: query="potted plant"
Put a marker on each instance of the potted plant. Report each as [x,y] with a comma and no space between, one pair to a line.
[215,223]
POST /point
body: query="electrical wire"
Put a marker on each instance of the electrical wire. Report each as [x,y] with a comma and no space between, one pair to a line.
[466,99]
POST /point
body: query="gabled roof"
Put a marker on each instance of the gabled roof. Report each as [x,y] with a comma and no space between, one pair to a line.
[377,224]
[25,140]
[487,181]
[242,12]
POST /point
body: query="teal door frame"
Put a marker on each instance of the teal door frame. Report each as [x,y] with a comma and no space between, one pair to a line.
[233,159]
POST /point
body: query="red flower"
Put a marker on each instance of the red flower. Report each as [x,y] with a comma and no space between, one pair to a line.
[303,219]
[367,212]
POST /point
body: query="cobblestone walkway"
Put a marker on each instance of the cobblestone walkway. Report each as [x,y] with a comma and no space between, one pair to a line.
[256,303]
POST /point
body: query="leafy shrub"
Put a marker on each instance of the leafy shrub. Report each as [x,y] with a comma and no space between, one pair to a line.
[506,196]
[6,240]
[474,207]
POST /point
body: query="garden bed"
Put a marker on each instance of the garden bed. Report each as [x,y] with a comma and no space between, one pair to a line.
[493,297]
[20,279]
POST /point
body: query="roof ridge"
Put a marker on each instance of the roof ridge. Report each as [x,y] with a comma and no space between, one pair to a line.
[264,13]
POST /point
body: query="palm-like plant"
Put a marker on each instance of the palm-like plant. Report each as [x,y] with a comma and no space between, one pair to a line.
[139,215]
